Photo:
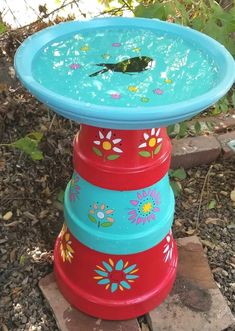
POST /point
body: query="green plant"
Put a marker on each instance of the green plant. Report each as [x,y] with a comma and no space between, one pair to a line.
[29,145]
[176,176]
[3,27]
[184,129]
[206,16]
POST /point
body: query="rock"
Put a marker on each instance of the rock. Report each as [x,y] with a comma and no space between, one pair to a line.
[195,303]
[70,319]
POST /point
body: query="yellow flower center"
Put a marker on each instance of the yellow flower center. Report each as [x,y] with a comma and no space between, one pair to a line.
[152,142]
[106,145]
[147,207]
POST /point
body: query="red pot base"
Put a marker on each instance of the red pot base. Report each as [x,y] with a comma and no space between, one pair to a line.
[76,281]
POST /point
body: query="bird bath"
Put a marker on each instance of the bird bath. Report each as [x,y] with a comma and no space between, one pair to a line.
[124,80]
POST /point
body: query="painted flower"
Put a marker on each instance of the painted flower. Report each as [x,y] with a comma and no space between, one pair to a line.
[152,143]
[168,247]
[144,99]
[116,44]
[66,250]
[107,146]
[158,91]
[106,56]
[74,66]
[85,48]
[132,88]
[145,206]
[115,95]
[116,276]
[74,188]
[136,49]
[101,215]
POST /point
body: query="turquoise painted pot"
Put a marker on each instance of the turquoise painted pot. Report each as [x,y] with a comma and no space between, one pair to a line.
[119,222]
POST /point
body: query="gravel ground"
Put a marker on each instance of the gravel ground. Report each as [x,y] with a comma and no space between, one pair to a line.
[31,214]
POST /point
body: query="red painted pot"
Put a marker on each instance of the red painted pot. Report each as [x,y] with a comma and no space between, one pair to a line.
[114,287]
[122,159]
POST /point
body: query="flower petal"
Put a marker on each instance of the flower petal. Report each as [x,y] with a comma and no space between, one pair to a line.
[109,134]
[166,249]
[127,270]
[96,142]
[103,281]
[156,209]
[131,217]
[109,211]
[125,284]
[101,135]
[158,131]
[131,276]
[159,140]
[139,220]
[142,145]
[119,265]
[107,266]
[101,273]
[102,206]
[152,131]
[117,150]
[110,219]
[116,141]
[146,136]
[114,287]
[132,212]
[134,202]
[139,196]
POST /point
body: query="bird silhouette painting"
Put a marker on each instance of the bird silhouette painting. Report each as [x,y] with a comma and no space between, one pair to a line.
[128,66]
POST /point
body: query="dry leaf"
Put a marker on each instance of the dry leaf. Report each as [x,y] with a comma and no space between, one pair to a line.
[2,164]
[4,327]
[232,195]
[7,216]
[208,243]
[190,231]
[211,220]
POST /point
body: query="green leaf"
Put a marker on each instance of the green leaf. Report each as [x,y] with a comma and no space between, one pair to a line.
[35,135]
[60,196]
[171,130]
[36,155]
[3,27]
[29,145]
[179,174]
[144,154]
[157,149]
[22,259]
[92,218]
[113,157]
[106,224]
[97,151]
[176,187]
[212,204]
[183,128]
[233,99]
[197,127]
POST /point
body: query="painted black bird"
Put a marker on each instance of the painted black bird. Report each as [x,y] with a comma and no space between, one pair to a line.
[132,65]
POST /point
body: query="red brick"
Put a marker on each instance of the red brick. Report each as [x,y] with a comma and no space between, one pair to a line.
[195,151]
[71,319]
[195,303]
[223,140]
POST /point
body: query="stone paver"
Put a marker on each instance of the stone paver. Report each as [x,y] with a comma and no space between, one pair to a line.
[195,303]
[192,152]
[71,319]
[224,139]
